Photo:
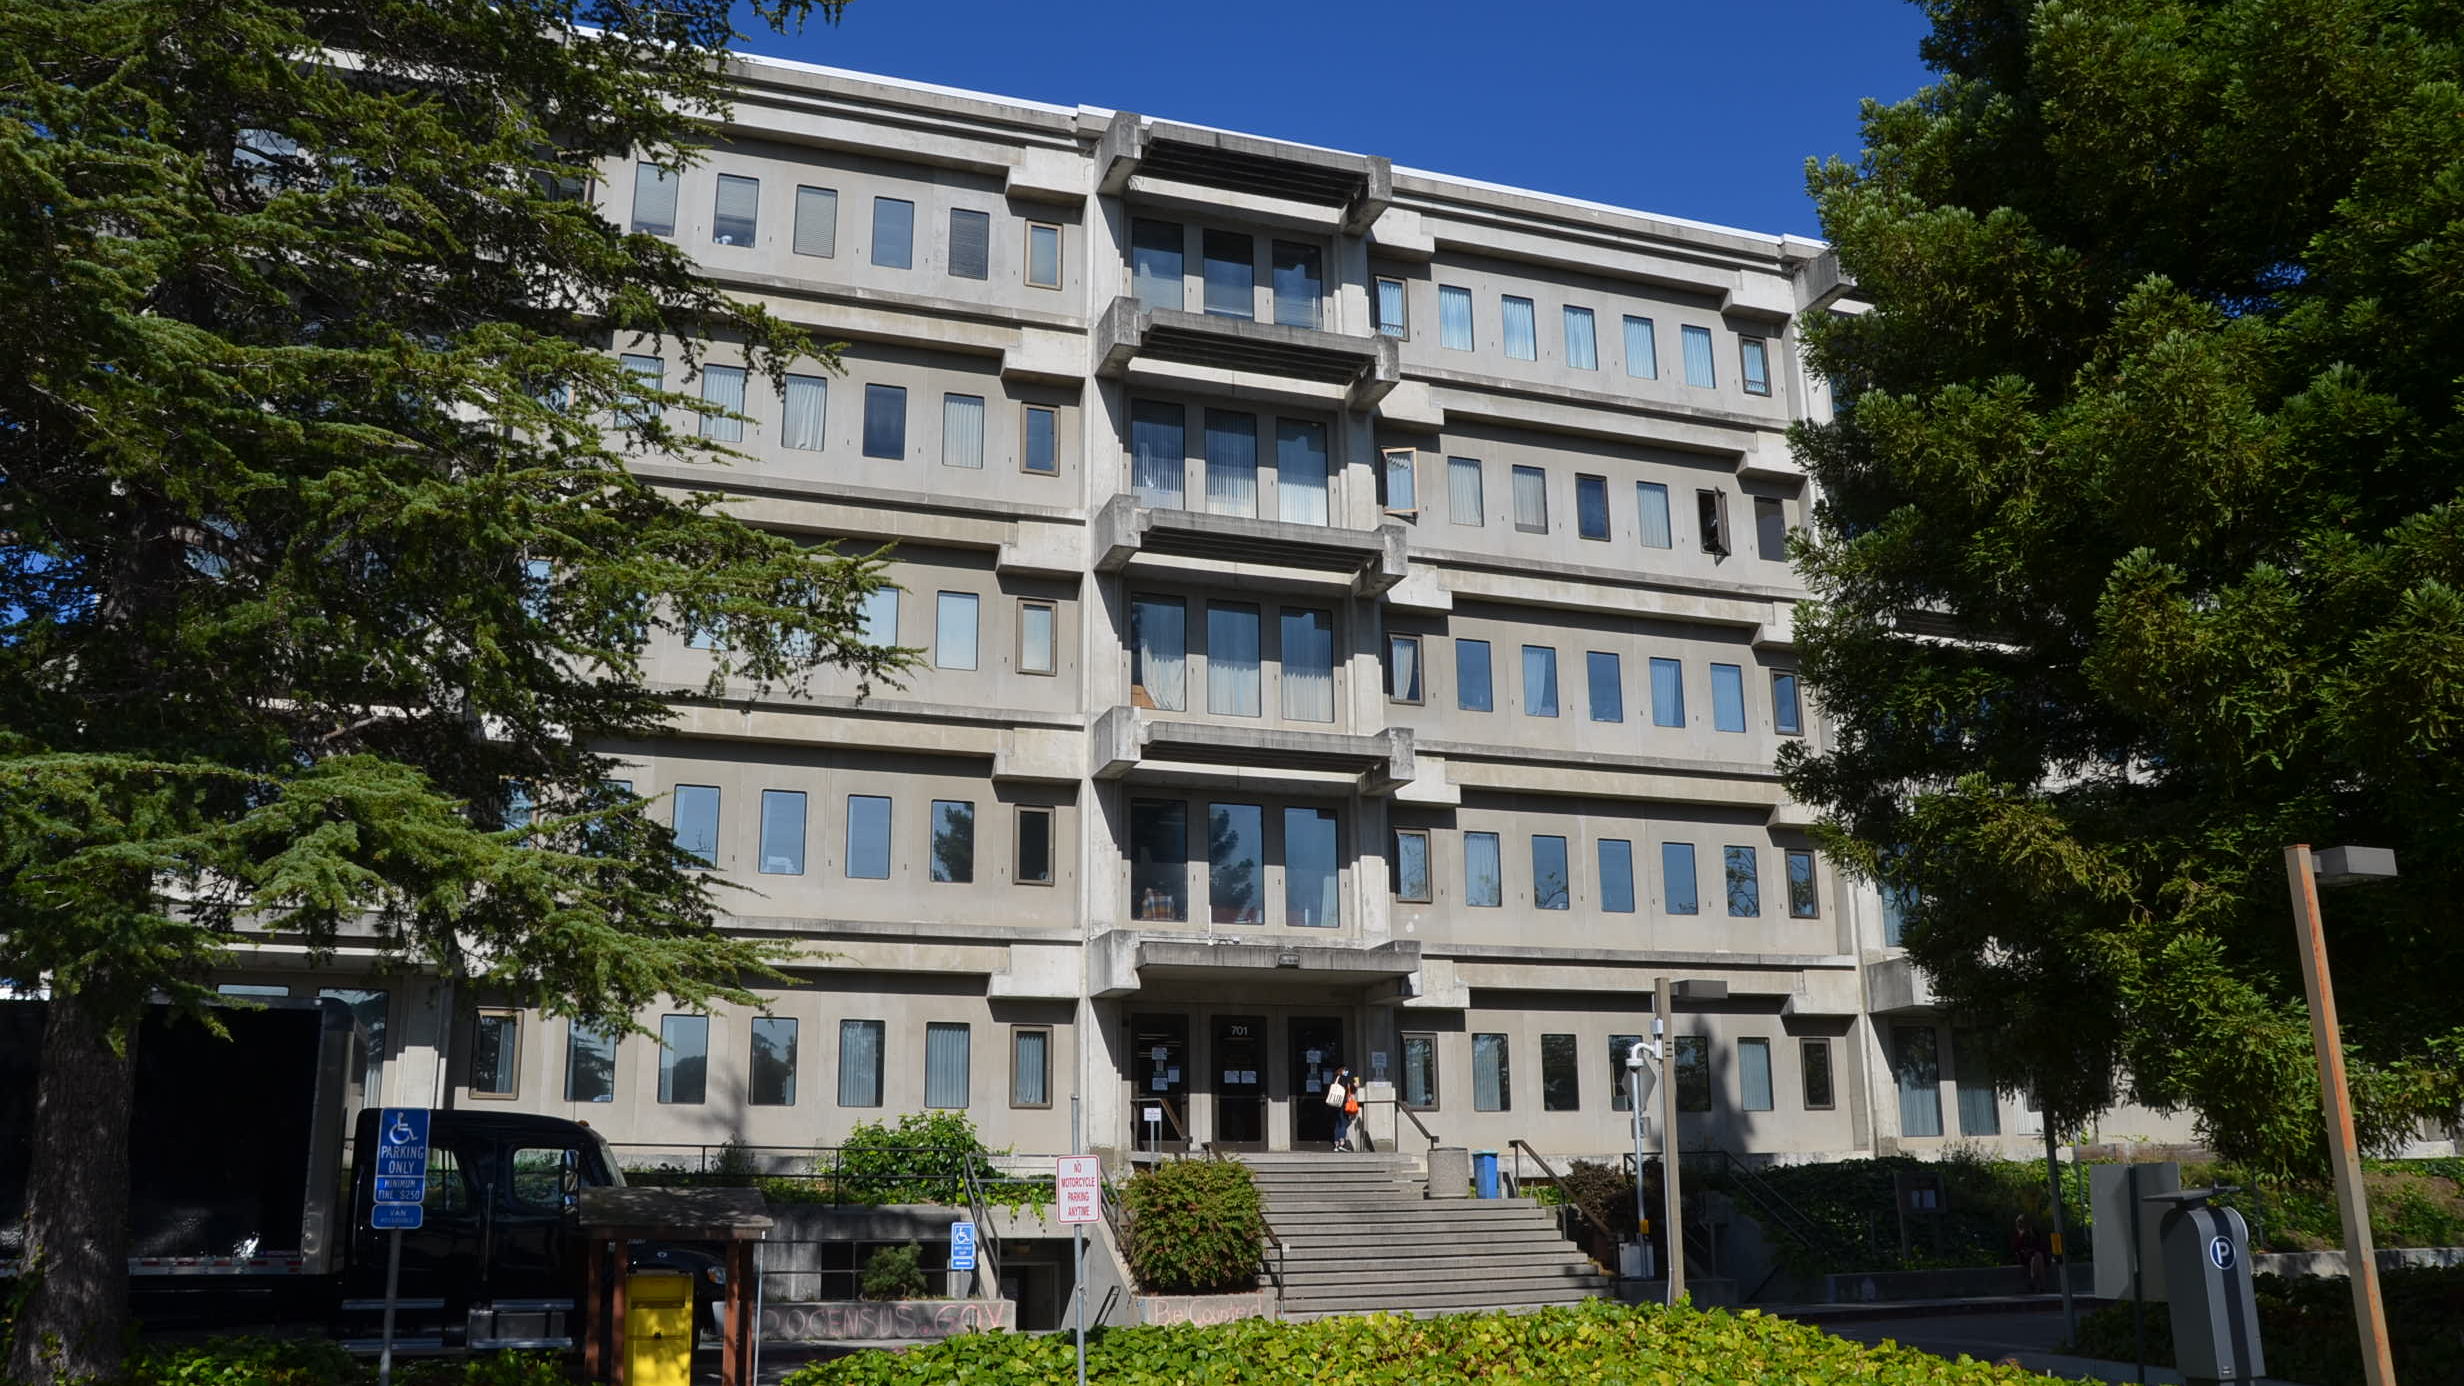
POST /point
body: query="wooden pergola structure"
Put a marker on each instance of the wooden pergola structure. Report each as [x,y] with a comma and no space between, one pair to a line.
[613,1219]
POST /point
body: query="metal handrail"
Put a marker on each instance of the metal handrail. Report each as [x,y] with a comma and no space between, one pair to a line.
[1418,1123]
[1171,1113]
[1589,1208]
[1274,1274]
[987,1241]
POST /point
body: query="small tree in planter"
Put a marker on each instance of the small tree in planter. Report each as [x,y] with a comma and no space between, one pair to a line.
[892,1273]
[1194,1227]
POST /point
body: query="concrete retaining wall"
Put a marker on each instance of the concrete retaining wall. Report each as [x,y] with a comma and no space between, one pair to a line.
[1205,1309]
[847,1320]
[2297,1263]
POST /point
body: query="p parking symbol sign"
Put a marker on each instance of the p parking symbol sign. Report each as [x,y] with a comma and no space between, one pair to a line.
[2220,1252]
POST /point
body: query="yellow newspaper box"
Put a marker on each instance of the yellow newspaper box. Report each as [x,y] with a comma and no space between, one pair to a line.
[659,1328]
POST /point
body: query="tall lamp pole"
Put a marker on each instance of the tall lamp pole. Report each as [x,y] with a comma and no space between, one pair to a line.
[2305,874]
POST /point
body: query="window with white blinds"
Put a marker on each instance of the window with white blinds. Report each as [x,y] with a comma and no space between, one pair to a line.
[1030,1067]
[1464,500]
[1651,503]
[962,431]
[970,244]
[1300,471]
[805,412]
[1531,500]
[1308,665]
[723,388]
[1231,463]
[817,222]
[859,1063]
[654,200]
[947,1059]
[733,216]
[1522,329]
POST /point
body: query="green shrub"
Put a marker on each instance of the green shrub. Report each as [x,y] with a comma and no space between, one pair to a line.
[922,1159]
[245,1361]
[1854,1205]
[2306,1328]
[1588,1183]
[736,1167]
[893,1273]
[1195,1227]
[1598,1343]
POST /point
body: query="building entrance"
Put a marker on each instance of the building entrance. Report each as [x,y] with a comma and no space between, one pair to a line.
[1316,1052]
[1160,1070]
[1238,1066]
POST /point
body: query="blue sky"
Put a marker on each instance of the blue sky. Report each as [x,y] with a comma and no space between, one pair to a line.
[1704,110]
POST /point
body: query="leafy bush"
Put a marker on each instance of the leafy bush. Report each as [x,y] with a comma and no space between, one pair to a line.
[2412,1203]
[922,1159]
[1598,1343]
[2306,1328]
[893,1273]
[1854,1204]
[1194,1227]
[1590,1184]
[250,1361]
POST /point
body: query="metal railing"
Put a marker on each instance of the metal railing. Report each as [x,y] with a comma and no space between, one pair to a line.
[1171,1114]
[1418,1124]
[1588,1207]
[987,1238]
[837,1176]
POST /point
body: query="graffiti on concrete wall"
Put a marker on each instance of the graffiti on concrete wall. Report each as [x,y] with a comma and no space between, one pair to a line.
[1200,1309]
[845,1320]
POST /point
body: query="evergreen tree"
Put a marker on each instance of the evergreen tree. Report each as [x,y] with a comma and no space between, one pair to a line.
[2142,545]
[322,572]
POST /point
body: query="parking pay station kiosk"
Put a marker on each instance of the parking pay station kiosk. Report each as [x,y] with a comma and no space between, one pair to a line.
[2206,1253]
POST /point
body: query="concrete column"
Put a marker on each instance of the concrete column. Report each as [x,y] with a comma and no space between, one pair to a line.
[419,1074]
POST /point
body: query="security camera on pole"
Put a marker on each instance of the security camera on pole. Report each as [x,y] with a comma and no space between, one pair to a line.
[1640,1079]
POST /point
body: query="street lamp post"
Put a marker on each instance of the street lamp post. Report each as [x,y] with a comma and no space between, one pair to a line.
[2336,866]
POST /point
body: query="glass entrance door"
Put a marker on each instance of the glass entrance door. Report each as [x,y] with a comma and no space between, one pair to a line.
[1238,1066]
[1159,1048]
[1316,1053]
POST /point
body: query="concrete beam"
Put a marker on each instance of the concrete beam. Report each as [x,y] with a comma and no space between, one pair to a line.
[1119,152]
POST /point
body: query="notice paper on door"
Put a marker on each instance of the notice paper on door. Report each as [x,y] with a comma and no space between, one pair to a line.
[1231,1076]
[1249,1075]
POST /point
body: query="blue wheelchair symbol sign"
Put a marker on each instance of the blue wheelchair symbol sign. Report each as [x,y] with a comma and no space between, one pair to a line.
[962,1246]
[2220,1252]
[401,1156]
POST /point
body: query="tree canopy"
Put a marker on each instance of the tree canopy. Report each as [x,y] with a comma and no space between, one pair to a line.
[2142,543]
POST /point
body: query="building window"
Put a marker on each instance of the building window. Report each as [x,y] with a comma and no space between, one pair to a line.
[772,1076]
[804,412]
[1420,1072]
[1711,515]
[1471,676]
[1035,846]
[878,619]
[1620,1047]
[1582,340]
[1531,500]
[1030,1066]
[1231,462]
[1236,863]
[1042,453]
[868,837]
[1918,1069]
[1312,869]
[1043,255]
[1159,860]
[1754,1074]
[1651,515]
[1492,1082]
[1642,350]
[1228,260]
[1591,506]
[1667,693]
[1539,681]
[1403,668]
[651,373]
[1411,865]
[1814,1060]
[1561,1086]
[1155,250]
[1606,677]
[1693,1073]
[1466,503]
[1698,369]
[1522,328]
[1727,698]
[1898,903]
[1770,530]
[1972,1070]
[684,1059]
[1454,318]
[1802,902]
[1742,868]
[1389,304]
[817,222]
[1159,653]
[782,832]
[1232,685]
[962,431]
[496,1054]
[1787,715]
[947,1058]
[1402,482]
[1300,284]
[654,201]
[1755,360]
[734,215]
[970,244]
[953,844]
[1300,472]
[697,822]
[954,631]
[1677,878]
[1036,641]
[859,1063]
[590,1065]
[723,391]
[893,233]
[1616,875]
[1549,886]
[1159,454]
[1483,874]
[885,421]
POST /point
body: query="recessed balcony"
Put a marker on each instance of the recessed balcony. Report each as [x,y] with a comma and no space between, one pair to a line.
[1356,187]
[1136,744]
[1361,368]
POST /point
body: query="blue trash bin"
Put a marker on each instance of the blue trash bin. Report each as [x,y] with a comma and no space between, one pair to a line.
[1484,1173]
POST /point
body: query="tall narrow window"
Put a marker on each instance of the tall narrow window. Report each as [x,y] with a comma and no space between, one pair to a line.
[1411,865]
[1980,1113]
[1539,681]
[1651,508]
[1561,1084]
[1550,888]
[1308,665]
[1591,506]
[1420,1071]
[734,216]
[697,821]
[651,373]
[1158,453]
[1604,672]
[893,233]
[1698,367]
[1312,869]
[1155,267]
[804,413]
[1814,1063]
[1642,350]
[496,1054]
[654,201]
[1677,878]
[817,222]
[1159,653]
[1744,874]
[1231,462]
[1402,481]
[1492,1082]
[1620,1047]
[1389,304]
[948,1060]
[1754,1075]
[1917,1066]
[1035,846]
[1229,262]
[1522,329]
[1454,318]
[1030,1066]
[970,244]
[1236,863]
[954,630]
[880,618]
[723,389]
[885,421]
[1159,860]
[859,1063]
[1471,676]
[1231,659]
[953,845]
[1667,693]
[868,837]
[684,1059]
[772,1075]
[1582,340]
[1043,255]
[1465,503]
[1484,883]
[1035,637]
[962,431]
[1693,1073]
[1403,668]
[1754,359]
[782,832]
[1616,876]
[590,1065]
[1300,284]
[1727,698]
[1711,516]
[1803,901]
[1300,472]
[1531,500]
[1041,453]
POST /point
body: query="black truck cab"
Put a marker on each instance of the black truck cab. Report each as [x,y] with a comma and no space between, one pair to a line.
[499,1221]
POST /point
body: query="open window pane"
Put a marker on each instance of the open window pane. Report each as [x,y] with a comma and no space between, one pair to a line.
[953,844]
[1312,869]
[1236,863]
[782,832]
[684,1059]
[771,1081]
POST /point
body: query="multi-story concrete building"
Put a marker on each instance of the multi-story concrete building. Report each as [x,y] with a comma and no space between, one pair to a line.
[1355,627]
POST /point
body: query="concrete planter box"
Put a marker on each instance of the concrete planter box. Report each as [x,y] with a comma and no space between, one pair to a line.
[2305,1263]
[1205,1309]
[861,1320]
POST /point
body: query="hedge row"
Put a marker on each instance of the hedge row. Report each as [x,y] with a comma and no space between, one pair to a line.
[247,1361]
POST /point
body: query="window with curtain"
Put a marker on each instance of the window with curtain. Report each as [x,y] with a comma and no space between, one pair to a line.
[652,373]
[1616,875]
[817,222]
[1667,693]
[1402,480]
[1917,1067]
[804,412]
[782,832]
[1232,659]
[1754,1074]
[885,421]
[1604,672]
[1043,255]
[654,201]
[771,1080]
[1561,1083]
[1155,269]
[1312,869]
[1699,371]
[1030,1066]
[1034,842]
[1693,1073]
[1471,676]
[1484,876]
[1158,453]
[1677,878]
[1591,506]
[1300,284]
[1236,863]
[1042,452]
[859,1063]
[1411,865]
[1642,350]
[1159,860]
[879,618]
[496,1052]
[970,244]
[1465,502]
[684,1059]
[1539,681]
[962,431]
[1744,873]
[1420,1071]
[1231,462]
[953,845]
[590,1065]
[1308,665]
[734,216]
[1531,500]
[1521,326]
[1492,1084]
[1159,653]
[1300,472]
[723,388]
[1454,318]
[1814,1063]
[1228,261]
[1980,1113]
[954,630]
[1620,1098]
[893,233]
[947,1058]
[1403,668]
[1651,506]
[868,837]
[1389,304]
[1803,903]
[1035,637]
[1727,698]
[1754,360]
[1582,340]
[697,821]
[1550,887]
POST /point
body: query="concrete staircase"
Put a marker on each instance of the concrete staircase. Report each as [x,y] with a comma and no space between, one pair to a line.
[1359,1237]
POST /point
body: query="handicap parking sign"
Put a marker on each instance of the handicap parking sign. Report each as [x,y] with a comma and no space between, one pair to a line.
[962,1246]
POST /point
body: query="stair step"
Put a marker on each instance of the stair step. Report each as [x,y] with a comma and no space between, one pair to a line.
[1466,1297]
[1298,1281]
[1328,1201]
[1462,1259]
[1428,1312]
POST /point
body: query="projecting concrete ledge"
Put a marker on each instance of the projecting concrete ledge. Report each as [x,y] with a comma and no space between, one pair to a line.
[1127,742]
[1122,961]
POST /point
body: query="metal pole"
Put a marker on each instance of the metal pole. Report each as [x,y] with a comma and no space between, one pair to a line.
[761,1287]
[2061,1241]
[2138,1277]
[1642,1210]
[1078,1239]
[393,1288]
[2344,1155]
[1672,1210]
